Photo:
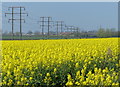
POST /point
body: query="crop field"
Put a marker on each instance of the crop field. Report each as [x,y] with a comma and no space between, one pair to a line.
[61,62]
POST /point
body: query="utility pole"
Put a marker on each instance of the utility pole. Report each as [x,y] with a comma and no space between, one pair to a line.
[76,30]
[45,21]
[13,19]
[66,28]
[48,25]
[12,23]
[42,24]
[57,27]
[49,20]
[70,28]
[20,25]
[59,24]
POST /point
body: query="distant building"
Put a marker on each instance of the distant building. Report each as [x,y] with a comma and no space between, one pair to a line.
[65,33]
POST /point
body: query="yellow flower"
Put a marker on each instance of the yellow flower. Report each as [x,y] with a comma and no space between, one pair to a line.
[77,83]
[69,83]
[77,65]
[55,69]
[30,78]
[18,83]
[48,74]
[21,59]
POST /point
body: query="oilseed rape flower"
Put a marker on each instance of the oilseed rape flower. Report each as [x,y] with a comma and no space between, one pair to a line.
[48,74]
[60,62]
[55,70]
[70,80]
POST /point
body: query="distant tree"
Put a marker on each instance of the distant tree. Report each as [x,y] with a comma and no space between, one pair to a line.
[101,33]
[118,33]
[112,29]
[37,33]
[10,33]
[113,32]
[52,32]
[30,32]
[108,33]
[17,33]
[83,34]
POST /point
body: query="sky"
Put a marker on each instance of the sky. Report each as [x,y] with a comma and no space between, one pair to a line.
[85,15]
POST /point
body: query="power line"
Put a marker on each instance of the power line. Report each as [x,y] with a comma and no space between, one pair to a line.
[13,19]
[49,21]
[59,24]
[42,24]
[77,30]
[69,28]
[46,21]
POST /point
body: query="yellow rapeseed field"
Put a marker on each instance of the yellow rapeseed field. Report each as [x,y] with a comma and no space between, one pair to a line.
[61,62]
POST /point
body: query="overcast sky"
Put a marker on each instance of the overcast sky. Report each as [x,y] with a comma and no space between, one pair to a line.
[85,15]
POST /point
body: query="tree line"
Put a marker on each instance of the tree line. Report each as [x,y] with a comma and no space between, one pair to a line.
[100,33]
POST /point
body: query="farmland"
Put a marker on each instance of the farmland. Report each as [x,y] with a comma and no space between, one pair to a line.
[61,62]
